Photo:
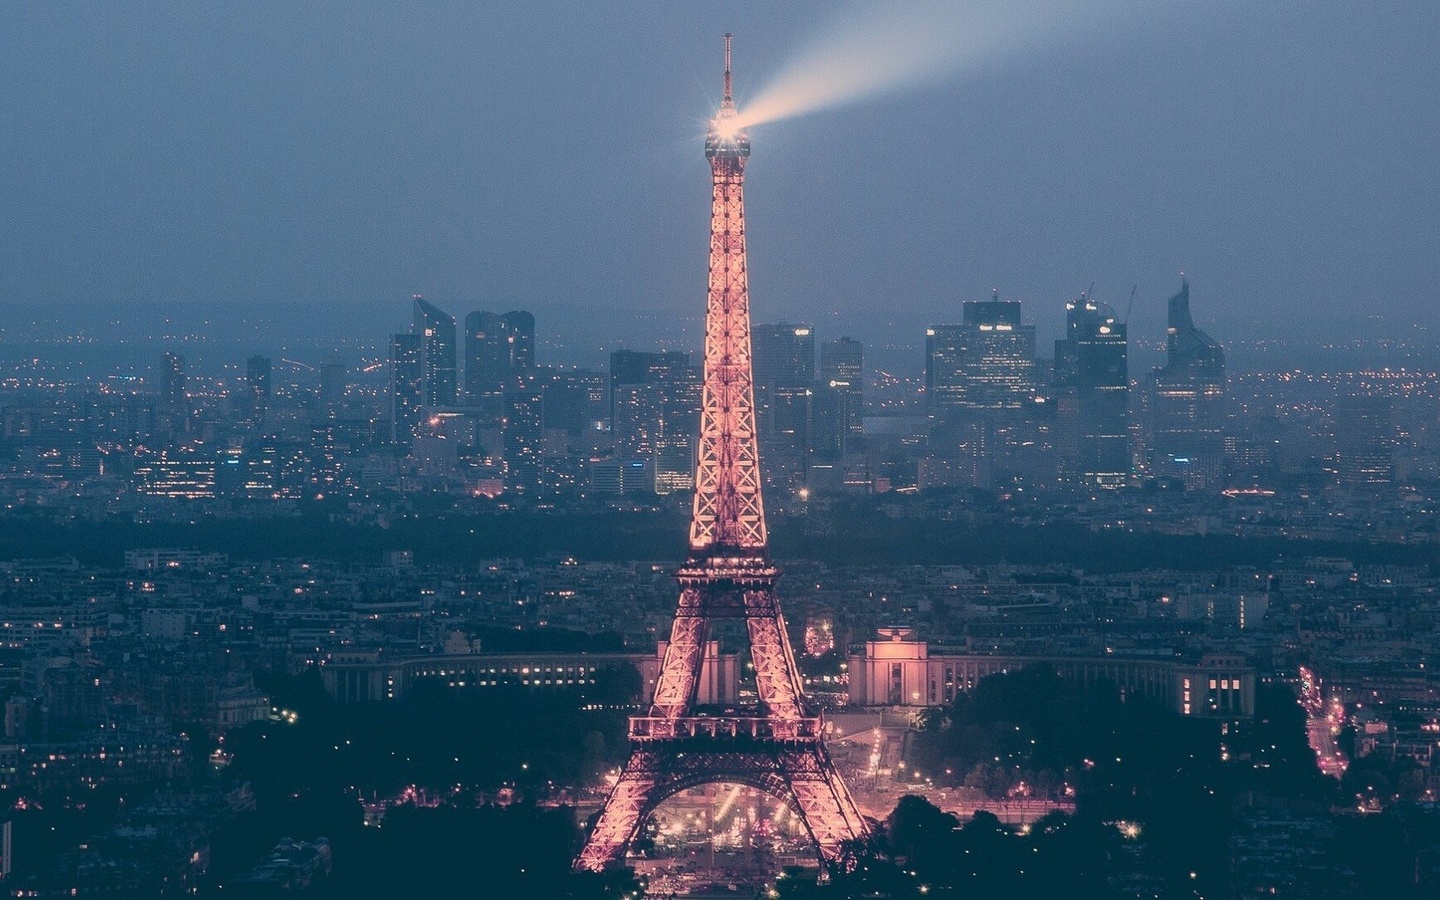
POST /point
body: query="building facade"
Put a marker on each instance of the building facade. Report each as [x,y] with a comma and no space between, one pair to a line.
[1092,389]
[436,330]
[1186,403]
[407,380]
[898,670]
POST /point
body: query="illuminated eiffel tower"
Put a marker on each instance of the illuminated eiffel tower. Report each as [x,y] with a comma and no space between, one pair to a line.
[775,747]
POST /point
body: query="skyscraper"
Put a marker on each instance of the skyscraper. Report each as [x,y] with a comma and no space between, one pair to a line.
[522,436]
[945,369]
[1187,402]
[639,419]
[436,330]
[655,410]
[670,368]
[838,410]
[257,387]
[332,383]
[986,362]
[498,348]
[1364,442]
[174,405]
[173,379]
[784,354]
[487,355]
[1092,387]
[522,348]
[784,399]
[407,382]
[981,390]
[578,402]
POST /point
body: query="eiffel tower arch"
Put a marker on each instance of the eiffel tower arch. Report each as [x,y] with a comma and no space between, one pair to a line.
[777,745]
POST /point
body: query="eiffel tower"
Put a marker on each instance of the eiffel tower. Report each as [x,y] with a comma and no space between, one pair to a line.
[775,747]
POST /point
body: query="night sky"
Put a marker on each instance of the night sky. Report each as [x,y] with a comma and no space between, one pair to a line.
[548,156]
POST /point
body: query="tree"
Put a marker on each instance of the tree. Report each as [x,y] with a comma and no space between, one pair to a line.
[916,825]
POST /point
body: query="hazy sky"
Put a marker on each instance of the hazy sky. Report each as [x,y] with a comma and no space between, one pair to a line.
[548,156]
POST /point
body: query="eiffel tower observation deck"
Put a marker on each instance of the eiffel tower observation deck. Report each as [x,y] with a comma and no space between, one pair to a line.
[776,746]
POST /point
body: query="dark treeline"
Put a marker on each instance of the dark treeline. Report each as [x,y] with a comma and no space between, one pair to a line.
[1159,797]
[1175,777]
[454,747]
[521,850]
[853,535]
[921,852]
[440,739]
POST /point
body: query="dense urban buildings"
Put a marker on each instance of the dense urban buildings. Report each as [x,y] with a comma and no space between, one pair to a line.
[987,413]
[265,514]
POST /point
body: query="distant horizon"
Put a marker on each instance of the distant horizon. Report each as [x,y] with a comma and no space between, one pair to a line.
[360,325]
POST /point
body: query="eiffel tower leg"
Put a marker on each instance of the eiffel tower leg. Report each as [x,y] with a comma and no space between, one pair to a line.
[825,803]
[621,817]
[777,680]
[680,669]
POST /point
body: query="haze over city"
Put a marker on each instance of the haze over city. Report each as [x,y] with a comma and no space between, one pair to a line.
[201,161]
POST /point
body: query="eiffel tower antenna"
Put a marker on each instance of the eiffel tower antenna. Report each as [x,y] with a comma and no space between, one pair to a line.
[729,100]
[776,746]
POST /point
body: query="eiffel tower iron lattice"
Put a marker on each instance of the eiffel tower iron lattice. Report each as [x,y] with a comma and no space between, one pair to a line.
[776,747]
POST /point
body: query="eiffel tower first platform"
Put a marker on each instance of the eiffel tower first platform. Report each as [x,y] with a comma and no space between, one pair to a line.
[776,746]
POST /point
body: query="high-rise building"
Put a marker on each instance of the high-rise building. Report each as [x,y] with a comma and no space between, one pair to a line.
[837,407]
[981,389]
[655,413]
[1364,441]
[487,355]
[789,419]
[498,348]
[522,436]
[986,362]
[784,354]
[578,402]
[1187,402]
[257,387]
[784,398]
[174,403]
[945,369]
[648,427]
[407,382]
[436,330]
[173,379]
[670,368]
[844,361]
[332,383]
[639,421]
[521,325]
[1092,388]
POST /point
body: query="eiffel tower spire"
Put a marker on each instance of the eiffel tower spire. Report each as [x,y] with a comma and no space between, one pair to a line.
[728,515]
[775,747]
